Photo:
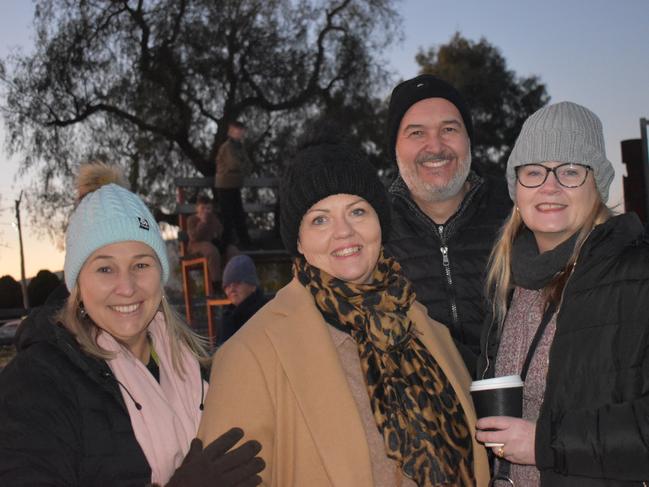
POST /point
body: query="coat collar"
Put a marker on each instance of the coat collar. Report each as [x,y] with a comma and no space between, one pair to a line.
[310,361]
[306,350]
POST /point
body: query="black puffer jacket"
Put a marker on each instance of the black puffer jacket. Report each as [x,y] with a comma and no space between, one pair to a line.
[63,421]
[594,420]
[446,263]
[234,317]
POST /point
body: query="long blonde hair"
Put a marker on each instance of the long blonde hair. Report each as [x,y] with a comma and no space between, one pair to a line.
[84,329]
[499,275]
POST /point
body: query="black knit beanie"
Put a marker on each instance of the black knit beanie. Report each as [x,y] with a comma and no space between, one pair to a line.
[409,92]
[322,169]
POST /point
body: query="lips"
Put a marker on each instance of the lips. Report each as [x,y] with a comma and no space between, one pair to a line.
[550,206]
[128,308]
[347,251]
[435,164]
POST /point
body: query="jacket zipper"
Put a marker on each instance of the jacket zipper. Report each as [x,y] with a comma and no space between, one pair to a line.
[449,280]
[400,190]
[449,277]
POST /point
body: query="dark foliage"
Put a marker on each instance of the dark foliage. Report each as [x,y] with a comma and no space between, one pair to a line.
[11,296]
[40,287]
[151,85]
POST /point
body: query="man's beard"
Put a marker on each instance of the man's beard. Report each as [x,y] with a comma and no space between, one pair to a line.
[428,192]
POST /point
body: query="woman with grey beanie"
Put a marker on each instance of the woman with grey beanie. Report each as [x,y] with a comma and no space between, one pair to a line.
[569,286]
[109,390]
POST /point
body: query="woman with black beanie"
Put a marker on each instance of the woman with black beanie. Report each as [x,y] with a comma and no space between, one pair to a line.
[342,377]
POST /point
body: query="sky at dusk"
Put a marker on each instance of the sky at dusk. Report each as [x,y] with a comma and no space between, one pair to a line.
[595,53]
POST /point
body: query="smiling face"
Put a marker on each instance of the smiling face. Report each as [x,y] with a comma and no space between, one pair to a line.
[341,235]
[433,150]
[121,290]
[554,213]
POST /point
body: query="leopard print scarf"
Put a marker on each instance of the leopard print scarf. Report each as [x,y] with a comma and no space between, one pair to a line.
[415,408]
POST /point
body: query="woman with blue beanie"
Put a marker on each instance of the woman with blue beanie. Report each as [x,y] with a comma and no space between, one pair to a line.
[110,391]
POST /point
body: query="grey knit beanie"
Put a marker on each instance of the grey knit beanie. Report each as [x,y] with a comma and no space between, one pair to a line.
[563,132]
[105,216]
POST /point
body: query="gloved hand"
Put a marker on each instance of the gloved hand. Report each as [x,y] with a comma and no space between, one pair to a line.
[217,466]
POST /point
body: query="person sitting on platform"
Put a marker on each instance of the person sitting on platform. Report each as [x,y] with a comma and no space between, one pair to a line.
[241,286]
[205,231]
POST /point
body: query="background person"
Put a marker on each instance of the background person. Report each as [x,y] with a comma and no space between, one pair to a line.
[205,234]
[580,283]
[342,377]
[110,391]
[241,286]
[232,163]
[446,214]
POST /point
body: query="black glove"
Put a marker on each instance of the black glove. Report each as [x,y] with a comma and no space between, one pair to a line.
[216,466]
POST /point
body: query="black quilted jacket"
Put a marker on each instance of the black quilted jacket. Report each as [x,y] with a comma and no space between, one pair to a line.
[593,428]
[63,421]
[446,263]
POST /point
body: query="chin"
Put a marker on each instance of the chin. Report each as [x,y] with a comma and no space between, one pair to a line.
[356,277]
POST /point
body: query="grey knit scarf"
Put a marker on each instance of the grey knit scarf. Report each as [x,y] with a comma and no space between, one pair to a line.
[531,270]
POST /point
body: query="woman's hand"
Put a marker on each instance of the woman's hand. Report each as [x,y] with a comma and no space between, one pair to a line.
[219,465]
[517,436]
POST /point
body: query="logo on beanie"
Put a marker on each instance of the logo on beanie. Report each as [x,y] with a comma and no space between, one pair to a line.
[143,223]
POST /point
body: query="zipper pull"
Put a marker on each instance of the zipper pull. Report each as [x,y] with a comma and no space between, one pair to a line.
[444,251]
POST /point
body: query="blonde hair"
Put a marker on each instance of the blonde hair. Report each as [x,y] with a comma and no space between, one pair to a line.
[499,275]
[85,331]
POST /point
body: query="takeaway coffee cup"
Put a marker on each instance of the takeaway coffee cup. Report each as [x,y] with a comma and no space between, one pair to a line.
[500,396]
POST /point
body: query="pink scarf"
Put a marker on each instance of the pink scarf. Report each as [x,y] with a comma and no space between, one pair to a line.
[169,415]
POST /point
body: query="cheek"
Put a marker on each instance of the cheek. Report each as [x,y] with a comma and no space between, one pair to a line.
[461,146]
[406,152]
[312,241]
[153,286]
[89,289]
[372,230]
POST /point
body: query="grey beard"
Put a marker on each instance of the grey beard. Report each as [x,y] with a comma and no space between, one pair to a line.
[430,193]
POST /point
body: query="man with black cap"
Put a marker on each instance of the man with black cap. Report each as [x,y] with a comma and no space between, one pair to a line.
[446,215]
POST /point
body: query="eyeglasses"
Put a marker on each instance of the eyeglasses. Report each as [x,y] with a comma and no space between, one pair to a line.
[569,175]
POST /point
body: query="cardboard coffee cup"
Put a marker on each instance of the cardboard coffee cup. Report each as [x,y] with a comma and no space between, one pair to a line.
[500,396]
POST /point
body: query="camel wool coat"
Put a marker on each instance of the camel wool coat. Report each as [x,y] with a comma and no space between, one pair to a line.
[280,379]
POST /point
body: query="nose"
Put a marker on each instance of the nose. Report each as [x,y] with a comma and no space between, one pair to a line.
[342,228]
[126,284]
[551,183]
[433,142]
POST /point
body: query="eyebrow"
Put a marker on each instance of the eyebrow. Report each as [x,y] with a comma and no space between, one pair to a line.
[355,202]
[111,257]
[451,121]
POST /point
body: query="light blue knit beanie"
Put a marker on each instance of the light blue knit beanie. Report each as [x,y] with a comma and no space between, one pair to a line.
[105,216]
[563,132]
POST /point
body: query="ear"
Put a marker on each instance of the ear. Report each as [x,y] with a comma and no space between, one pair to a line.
[299,247]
